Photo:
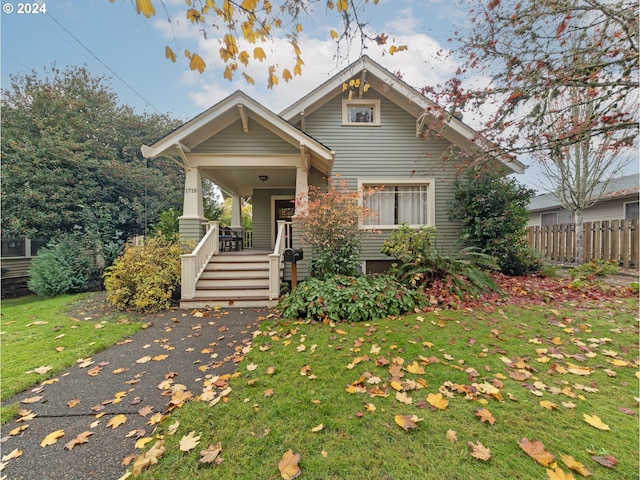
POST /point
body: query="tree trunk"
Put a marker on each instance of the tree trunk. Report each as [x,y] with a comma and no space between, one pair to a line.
[579,237]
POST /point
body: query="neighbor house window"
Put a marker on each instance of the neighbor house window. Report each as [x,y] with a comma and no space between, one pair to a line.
[361,112]
[631,210]
[557,218]
[396,202]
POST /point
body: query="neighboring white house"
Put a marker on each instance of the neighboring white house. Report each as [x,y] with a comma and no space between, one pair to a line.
[618,202]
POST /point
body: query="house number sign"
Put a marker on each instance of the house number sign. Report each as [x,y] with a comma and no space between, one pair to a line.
[190,190]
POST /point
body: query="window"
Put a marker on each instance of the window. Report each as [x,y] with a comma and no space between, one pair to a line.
[631,210]
[361,112]
[557,218]
[398,202]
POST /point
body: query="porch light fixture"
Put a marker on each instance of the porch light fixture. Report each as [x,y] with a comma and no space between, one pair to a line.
[263,178]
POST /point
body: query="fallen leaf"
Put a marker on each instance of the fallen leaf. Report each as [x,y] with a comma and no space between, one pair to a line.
[485,415]
[15,453]
[288,464]
[318,428]
[40,370]
[608,461]
[142,442]
[80,438]
[189,442]
[18,430]
[95,371]
[595,421]
[570,462]
[157,358]
[416,368]
[144,411]
[173,427]
[73,403]
[407,422]
[438,401]
[479,451]
[536,451]
[32,399]
[52,438]
[116,421]
[149,458]
[402,397]
[558,474]
[452,436]
[210,454]
[548,405]
[144,359]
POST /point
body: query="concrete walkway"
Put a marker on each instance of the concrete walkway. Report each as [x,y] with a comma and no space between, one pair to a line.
[178,345]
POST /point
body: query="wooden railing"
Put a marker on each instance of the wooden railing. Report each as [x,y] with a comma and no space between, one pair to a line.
[283,240]
[194,263]
[605,240]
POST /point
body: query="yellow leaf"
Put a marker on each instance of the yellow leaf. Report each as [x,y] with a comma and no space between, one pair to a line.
[297,70]
[402,397]
[210,454]
[341,332]
[437,401]
[157,358]
[286,75]
[407,422]
[52,438]
[81,438]
[142,442]
[416,368]
[393,49]
[318,428]
[548,405]
[145,7]
[558,474]
[15,453]
[536,451]
[288,465]
[116,421]
[194,15]
[169,54]
[333,34]
[452,436]
[189,442]
[298,28]
[144,359]
[228,73]
[197,63]
[149,458]
[18,430]
[485,415]
[570,462]
[243,56]
[259,54]
[343,5]
[595,421]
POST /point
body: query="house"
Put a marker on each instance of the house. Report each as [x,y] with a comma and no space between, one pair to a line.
[618,201]
[364,124]
[17,254]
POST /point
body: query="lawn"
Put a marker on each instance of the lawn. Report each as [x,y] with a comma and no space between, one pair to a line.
[513,390]
[41,337]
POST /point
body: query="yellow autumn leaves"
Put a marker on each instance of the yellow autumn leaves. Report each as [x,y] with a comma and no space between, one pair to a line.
[253,21]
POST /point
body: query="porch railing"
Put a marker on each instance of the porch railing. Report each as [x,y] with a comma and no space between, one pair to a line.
[283,240]
[194,263]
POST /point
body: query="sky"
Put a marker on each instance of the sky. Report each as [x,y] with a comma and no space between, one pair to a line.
[111,40]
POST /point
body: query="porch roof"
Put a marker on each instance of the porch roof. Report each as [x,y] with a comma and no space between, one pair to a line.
[237,106]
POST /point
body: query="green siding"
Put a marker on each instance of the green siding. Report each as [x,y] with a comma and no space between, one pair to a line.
[258,140]
[390,150]
[263,216]
[191,229]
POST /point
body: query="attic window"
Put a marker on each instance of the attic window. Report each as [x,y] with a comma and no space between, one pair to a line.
[361,112]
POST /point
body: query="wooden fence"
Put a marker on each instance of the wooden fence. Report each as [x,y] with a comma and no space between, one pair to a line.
[605,240]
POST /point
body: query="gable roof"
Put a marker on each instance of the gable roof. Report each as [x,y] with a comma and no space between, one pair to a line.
[617,188]
[400,93]
[237,106]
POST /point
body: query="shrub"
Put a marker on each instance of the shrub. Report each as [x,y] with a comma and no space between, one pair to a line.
[593,272]
[330,223]
[61,267]
[352,299]
[493,212]
[145,278]
[463,273]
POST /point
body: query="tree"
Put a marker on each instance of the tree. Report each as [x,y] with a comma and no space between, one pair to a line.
[243,26]
[492,210]
[528,51]
[578,173]
[71,160]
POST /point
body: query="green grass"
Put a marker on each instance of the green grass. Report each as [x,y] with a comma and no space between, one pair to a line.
[465,348]
[41,332]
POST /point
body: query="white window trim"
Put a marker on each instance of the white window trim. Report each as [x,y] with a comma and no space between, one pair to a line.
[363,183]
[361,102]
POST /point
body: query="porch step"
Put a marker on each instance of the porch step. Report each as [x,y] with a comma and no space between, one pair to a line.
[240,280]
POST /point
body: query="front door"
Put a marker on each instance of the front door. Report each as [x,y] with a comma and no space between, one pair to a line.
[284,210]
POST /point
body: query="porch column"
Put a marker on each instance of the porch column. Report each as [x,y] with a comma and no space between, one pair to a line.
[236,212]
[193,210]
[302,189]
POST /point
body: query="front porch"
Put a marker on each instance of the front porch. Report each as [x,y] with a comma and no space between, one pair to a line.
[218,274]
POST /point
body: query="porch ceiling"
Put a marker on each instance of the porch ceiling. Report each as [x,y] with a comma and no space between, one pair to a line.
[243,181]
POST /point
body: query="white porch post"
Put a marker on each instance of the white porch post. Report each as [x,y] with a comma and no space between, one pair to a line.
[193,210]
[236,212]
[302,189]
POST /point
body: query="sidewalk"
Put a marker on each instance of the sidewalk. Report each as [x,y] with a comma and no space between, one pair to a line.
[194,346]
